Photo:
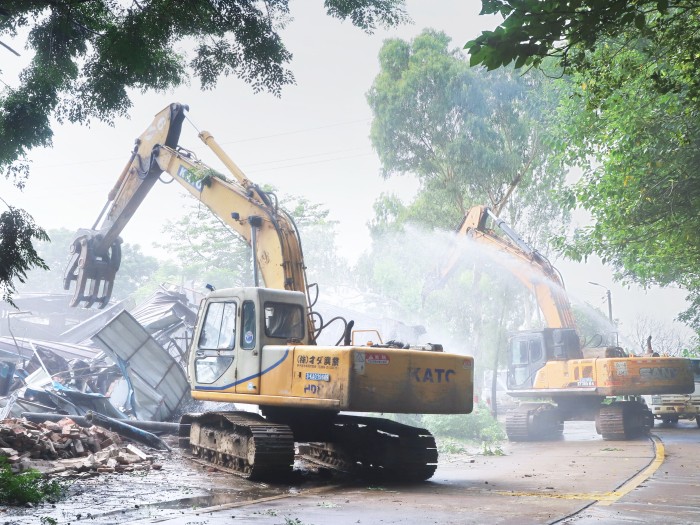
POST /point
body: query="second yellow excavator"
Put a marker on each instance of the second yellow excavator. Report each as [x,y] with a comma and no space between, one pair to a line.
[548,370]
[257,345]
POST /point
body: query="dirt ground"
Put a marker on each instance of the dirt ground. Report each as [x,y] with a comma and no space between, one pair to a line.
[579,478]
[179,485]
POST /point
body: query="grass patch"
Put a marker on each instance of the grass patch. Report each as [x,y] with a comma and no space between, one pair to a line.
[26,487]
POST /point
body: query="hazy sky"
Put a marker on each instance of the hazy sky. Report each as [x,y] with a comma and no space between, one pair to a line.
[313,142]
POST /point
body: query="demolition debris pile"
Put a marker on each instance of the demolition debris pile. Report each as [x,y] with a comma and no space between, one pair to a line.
[68,446]
[49,440]
[74,391]
[127,366]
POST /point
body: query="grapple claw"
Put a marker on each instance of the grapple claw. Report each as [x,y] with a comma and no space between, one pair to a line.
[92,265]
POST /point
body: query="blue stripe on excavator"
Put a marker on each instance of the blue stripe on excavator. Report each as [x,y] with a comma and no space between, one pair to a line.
[259,374]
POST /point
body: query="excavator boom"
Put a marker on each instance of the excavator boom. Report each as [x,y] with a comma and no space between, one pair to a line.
[96,253]
[241,204]
[531,267]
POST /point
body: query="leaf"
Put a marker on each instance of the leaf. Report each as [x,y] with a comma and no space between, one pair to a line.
[17,252]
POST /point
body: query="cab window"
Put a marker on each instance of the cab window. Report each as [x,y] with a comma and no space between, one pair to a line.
[535,351]
[520,353]
[283,320]
[248,325]
[695,363]
[219,331]
[209,369]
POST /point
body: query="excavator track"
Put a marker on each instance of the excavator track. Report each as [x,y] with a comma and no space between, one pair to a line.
[254,448]
[377,449]
[243,443]
[624,420]
[534,422]
[326,455]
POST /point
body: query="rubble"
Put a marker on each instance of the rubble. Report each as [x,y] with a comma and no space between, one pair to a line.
[80,367]
[67,448]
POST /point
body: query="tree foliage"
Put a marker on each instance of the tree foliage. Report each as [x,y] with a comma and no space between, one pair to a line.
[630,124]
[469,136]
[206,251]
[88,58]
[638,148]
[17,253]
[566,29]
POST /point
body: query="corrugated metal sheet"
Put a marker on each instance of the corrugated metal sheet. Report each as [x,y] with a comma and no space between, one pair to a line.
[85,330]
[66,351]
[163,309]
[158,381]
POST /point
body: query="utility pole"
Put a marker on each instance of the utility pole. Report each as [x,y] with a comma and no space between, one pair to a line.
[609,295]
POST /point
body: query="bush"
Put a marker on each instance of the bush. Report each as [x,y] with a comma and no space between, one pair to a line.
[479,426]
[26,487]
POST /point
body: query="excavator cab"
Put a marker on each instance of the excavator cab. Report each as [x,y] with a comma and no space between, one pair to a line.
[529,351]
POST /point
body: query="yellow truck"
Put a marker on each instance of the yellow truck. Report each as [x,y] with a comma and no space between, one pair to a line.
[257,345]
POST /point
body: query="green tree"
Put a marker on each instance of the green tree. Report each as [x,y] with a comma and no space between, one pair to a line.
[533,30]
[630,124]
[54,252]
[136,267]
[17,253]
[637,148]
[90,57]
[204,250]
[136,270]
[469,136]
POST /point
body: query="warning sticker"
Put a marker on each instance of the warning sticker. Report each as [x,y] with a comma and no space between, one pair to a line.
[374,358]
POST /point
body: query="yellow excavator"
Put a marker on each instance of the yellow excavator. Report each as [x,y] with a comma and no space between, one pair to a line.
[548,370]
[257,345]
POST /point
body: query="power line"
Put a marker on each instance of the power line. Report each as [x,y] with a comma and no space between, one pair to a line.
[93,187]
[294,132]
[98,161]
[251,139]
[304,157]
[310,163]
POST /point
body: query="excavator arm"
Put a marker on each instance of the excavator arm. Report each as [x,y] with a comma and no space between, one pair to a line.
[241,204]
[246,209]
[527,264]
[96,252]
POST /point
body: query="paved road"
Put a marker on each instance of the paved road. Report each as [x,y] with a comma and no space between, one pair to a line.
[670,496]
[579,480]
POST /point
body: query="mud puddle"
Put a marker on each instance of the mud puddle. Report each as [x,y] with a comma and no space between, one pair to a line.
[179,487]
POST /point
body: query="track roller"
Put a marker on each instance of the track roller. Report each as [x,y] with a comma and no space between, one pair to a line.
[622,420]
[242,442]
[534,422]
[377,449]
